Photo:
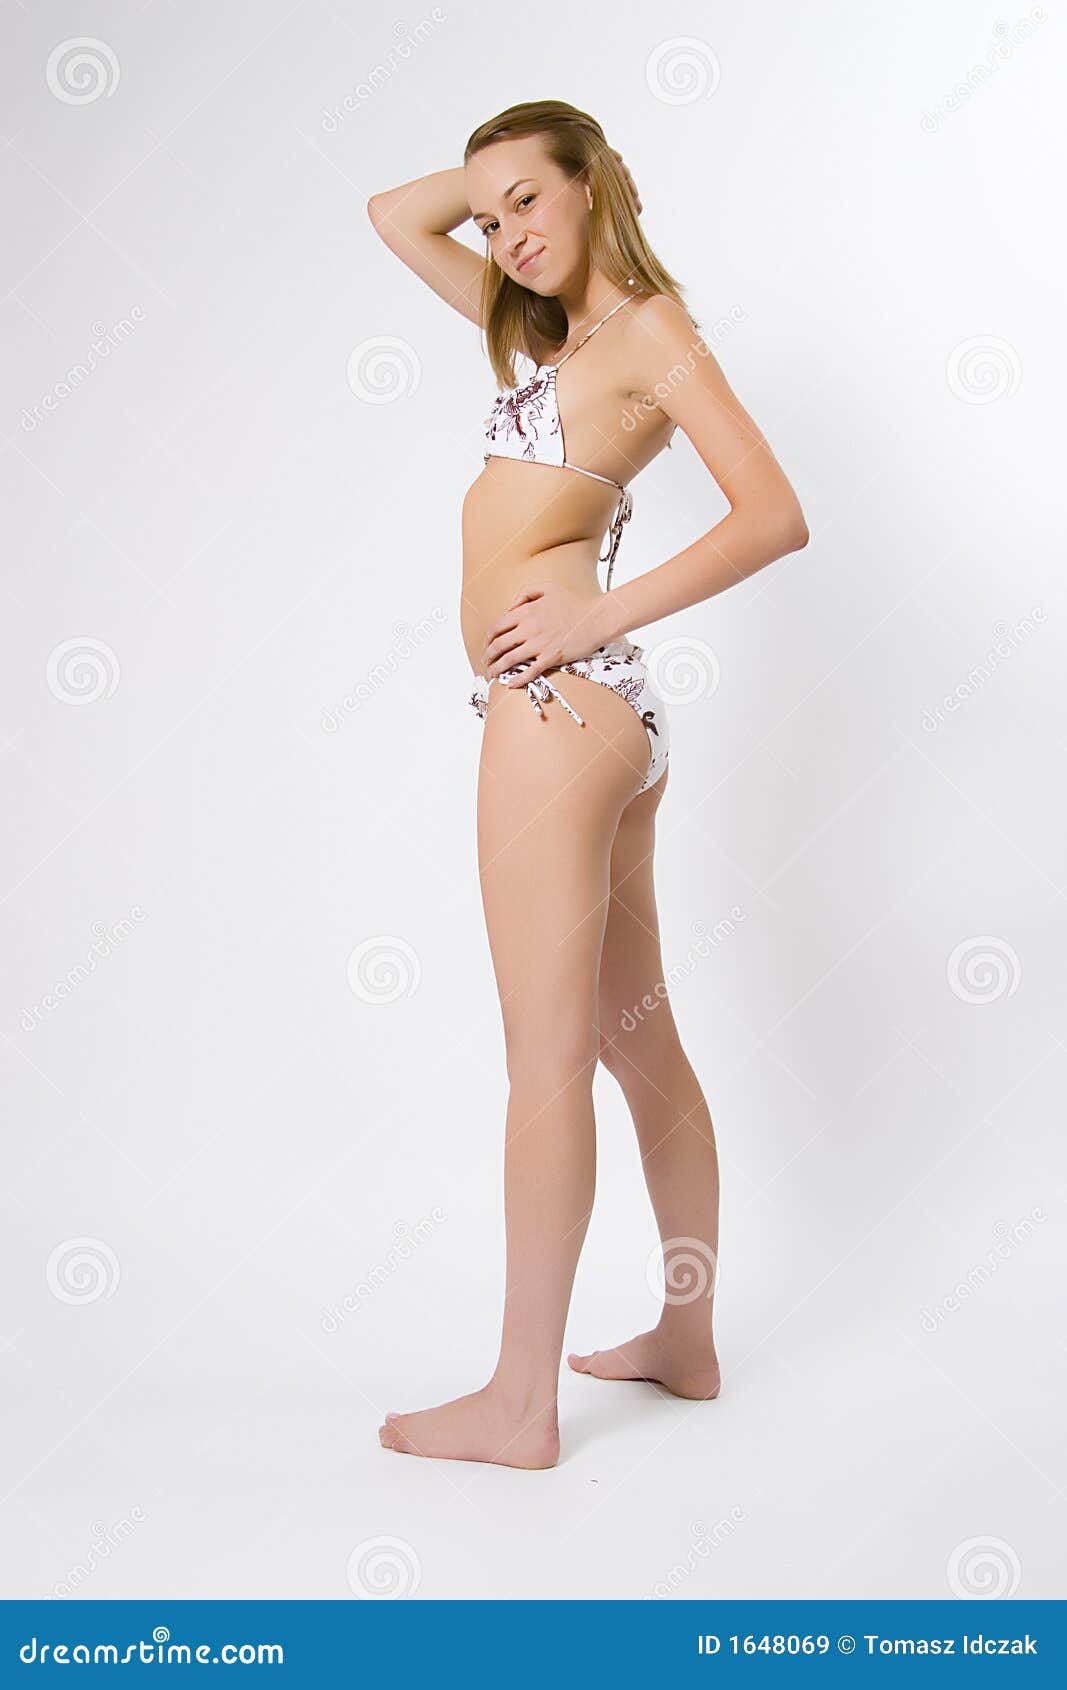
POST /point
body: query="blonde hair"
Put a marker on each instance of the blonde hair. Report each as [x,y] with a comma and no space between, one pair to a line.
[516,320]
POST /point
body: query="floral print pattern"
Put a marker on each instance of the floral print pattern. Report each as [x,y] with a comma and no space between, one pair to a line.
[619,665]
[527,418]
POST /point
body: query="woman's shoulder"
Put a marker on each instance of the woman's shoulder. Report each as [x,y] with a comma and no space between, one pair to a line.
[662,311]
[662,325]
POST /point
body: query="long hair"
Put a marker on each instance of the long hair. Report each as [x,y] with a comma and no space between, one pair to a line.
[516,319]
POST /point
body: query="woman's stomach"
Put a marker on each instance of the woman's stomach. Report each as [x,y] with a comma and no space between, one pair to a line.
[525,524]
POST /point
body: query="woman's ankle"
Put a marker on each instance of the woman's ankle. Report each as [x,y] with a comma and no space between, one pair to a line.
[681,1328]
[526,1400]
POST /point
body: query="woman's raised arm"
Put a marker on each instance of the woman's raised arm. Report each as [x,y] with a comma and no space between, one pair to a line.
[414,221]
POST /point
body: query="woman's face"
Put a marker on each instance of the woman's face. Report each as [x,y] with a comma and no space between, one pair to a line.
[534,218]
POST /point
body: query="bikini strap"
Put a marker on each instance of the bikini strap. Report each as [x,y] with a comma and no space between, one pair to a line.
[592,331]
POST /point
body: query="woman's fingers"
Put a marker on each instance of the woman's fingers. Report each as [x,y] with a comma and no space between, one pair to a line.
[630,183]
[500,642]
[521,654]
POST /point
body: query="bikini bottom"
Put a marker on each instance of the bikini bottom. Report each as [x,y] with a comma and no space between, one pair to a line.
[619,665]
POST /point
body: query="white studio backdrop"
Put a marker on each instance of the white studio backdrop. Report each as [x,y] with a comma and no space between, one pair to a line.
[252,1057]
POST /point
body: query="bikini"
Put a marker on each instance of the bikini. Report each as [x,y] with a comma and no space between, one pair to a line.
[525,424]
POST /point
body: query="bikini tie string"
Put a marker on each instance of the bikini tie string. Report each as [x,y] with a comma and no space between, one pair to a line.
[623,512]
[540,690]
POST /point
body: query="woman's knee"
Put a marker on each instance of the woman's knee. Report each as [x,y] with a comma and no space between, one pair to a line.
[639,1040]
[548,1060]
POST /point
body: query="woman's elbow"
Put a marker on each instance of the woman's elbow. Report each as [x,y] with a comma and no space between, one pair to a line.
[799,536]
[792,528]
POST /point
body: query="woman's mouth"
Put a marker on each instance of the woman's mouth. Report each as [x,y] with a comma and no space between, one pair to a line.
[531,258]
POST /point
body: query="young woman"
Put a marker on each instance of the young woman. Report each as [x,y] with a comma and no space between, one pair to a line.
[575,737]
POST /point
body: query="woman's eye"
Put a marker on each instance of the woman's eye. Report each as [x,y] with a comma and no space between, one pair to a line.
[491,228]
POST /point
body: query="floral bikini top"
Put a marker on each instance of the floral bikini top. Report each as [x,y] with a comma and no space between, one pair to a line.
[525,423]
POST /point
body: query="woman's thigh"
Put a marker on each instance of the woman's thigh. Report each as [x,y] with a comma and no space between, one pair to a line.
[550,797]
[634,1013]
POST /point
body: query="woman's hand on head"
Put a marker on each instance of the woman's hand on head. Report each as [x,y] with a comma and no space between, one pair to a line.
[544,626]
[630,183]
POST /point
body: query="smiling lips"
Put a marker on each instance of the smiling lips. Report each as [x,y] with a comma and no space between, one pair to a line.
[530,258]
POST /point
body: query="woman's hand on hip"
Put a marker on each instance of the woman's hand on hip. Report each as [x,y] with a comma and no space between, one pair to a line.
[544,626]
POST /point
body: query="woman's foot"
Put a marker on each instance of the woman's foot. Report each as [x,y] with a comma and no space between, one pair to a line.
[480,1427]
[687,1368]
